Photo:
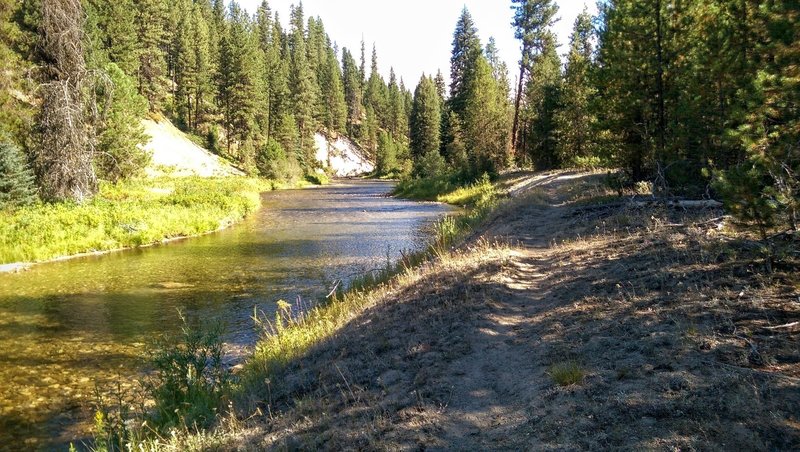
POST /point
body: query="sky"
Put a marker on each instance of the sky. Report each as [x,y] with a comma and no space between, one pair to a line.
[415,36]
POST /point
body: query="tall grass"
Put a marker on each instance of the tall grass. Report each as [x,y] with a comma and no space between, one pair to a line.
[128,214]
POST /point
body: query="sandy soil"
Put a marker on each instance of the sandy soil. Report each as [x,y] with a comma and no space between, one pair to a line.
[341,156]
[175,155]
[684,341]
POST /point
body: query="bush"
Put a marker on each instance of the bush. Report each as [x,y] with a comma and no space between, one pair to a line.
[318,178]
[17,186]
[273,163]
[430,165]
[190,381]
[746,192]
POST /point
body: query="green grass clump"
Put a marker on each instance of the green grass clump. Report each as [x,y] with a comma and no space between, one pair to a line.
[127,214]
[567,373]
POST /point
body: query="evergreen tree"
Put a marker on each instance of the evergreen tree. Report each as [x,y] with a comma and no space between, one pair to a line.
[425,128]
[532,22]
[466,50]
[485,122]
[302,85]
[386,160]
[193,67]
[543,97]
[575,122]
[375,96]
[397,114]
[765,188]
[335,118]
[277,63]
[150,22]
[121,133]
[115,33]
[17,187]
[370,129]
[352,94]
[238,85]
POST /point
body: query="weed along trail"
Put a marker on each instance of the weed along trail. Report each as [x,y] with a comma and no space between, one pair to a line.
[69,327]
[568,320]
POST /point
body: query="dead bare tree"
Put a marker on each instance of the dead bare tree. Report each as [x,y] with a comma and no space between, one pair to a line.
[65,148]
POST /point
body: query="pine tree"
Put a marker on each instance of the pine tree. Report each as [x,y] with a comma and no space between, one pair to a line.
[17,187]
[334,94]
[238,85]
[532,22]
[425,129]
[575,122]
[765,188]
[485,122]
[116,33]
[302,85]
[121,132]
[375,95]
[352,94]
[386,161]
[150,22]
[64,149]
[398,117]
[277,62]
[466,50]
[543,97]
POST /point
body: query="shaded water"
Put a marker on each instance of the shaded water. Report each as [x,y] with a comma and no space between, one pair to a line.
[69,327]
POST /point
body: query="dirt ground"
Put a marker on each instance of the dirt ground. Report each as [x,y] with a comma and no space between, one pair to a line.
[680,338]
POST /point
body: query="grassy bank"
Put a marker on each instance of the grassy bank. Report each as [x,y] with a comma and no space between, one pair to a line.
[128,214]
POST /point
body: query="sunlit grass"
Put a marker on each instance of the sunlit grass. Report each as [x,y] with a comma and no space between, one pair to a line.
[128,214]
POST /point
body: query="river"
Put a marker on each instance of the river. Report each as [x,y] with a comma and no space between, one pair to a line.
[70,328]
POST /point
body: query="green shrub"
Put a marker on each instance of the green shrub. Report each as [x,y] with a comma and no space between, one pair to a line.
[189,381]
[273,163]
[318,178]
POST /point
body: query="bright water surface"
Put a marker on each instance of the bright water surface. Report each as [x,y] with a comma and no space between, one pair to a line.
[69,327]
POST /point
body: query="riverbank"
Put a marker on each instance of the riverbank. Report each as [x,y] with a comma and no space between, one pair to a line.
[127,215]
[565,322]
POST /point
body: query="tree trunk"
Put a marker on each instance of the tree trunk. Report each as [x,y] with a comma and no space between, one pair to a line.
[518,101]
[660,81]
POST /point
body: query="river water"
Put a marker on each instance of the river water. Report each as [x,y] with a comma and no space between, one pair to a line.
[70,328]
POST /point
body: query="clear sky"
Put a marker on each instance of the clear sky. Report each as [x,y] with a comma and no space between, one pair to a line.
[415,36]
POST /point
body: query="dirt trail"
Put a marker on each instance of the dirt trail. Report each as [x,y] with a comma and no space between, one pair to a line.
[669,325]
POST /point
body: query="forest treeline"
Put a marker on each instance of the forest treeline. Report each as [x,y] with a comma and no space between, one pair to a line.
[697,98]
[239,83]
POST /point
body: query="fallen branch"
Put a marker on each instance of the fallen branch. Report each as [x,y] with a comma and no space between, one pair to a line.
[681,204]
[784,326]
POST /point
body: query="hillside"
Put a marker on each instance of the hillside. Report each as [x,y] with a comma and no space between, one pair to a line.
[174,154]
[342,156]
